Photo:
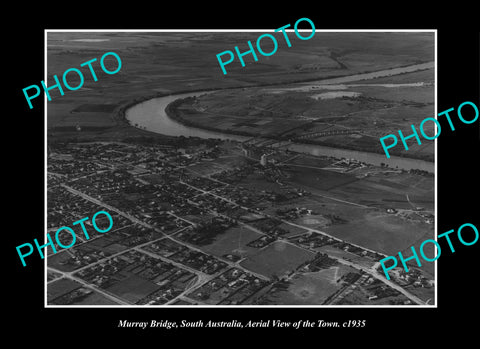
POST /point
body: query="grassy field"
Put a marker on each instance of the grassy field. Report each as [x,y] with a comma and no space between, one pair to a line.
[258,182]
[277,259]
[55,261]
[369,227]
[370,187]
[310,288]
[220,164]
[319,179]
[133,288]
[60,287]
[380,231]
[233,241]
[383,194]
[97,299]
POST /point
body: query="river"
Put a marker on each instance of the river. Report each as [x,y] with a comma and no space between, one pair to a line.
[151,115]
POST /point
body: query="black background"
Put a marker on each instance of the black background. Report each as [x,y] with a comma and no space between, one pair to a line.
[458,81]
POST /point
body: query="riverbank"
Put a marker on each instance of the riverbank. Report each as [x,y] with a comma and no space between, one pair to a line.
[173,113]
[119,113]
[159,114]
[151,115]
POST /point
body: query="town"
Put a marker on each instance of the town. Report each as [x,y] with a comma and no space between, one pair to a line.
[189,230]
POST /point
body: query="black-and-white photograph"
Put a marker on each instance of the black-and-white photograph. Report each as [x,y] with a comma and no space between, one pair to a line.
[239,168]
[194,173]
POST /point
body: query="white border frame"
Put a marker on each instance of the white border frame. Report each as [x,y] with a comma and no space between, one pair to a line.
[435,31]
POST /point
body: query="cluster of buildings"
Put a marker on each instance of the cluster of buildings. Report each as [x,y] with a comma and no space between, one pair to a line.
[413,278]
[313,240]
[321,261]
[234,286]
[293,212]
[155,281]
[163,214]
